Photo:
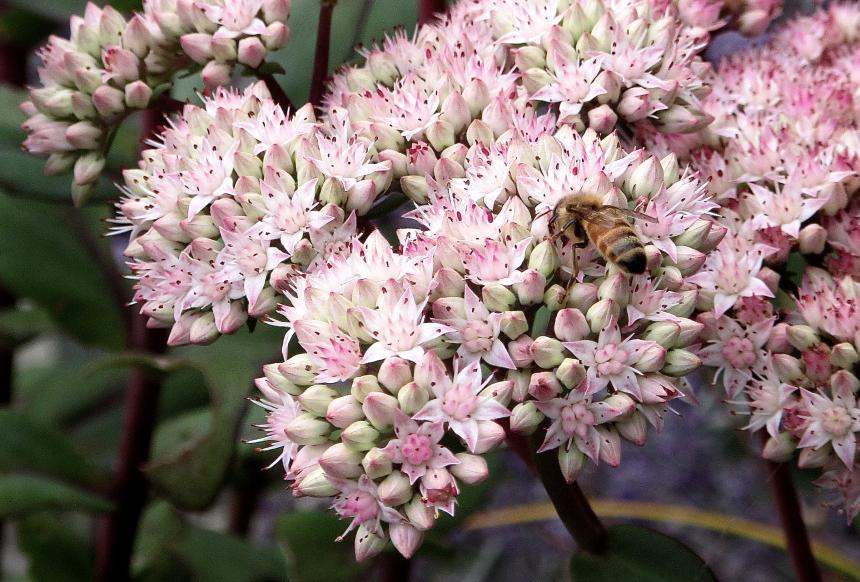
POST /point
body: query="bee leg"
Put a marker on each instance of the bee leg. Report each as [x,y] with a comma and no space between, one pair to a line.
[573,273]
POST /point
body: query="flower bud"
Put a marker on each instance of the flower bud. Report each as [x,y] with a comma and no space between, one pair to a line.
[395,489]
[498,297]
[415,188]
[544,259]
[367,545]
[447,169]
[455,111]
[802,337]
[418,513]
[83,135]
[525,418]
[316,399]
[844,355]
[778,342]
[555,297]
[360,435]
[571,325]
[279,381]
[513,324]
[715,235]
[203,331]
[520,351]
[779,449]
[109,102]
[383,67]
[521,379]
[633,428]
[571,461]
[394,373]
[472,469]
[313,484]
[216,74]
[405,538]
[602,119]
[341,461]
[652,359]
[251,52]
[544,386]
[306,429]
[680,362]
[616,288]
[547,352]
[411,398]
[344,411]
[376,463]
[440,134]
[530,289]
[490,434]
[600,314]
[88,168]
[664,333]
[679,119]
[635,104]
[379,409]
[299,370]
[499,391]
[844,380]
[610,447]
[811,458]
[689,260]
[686,306]
[582,296]
[198,46]
[479,132]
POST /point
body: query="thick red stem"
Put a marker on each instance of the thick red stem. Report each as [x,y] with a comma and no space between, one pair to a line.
[428,9]
[321,56]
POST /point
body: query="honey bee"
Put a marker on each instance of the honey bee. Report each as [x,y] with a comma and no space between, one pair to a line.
[584,217]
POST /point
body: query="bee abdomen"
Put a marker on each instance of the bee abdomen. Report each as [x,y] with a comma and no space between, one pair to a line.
[621,246]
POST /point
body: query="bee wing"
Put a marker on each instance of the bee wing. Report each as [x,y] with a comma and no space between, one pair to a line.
[625,213]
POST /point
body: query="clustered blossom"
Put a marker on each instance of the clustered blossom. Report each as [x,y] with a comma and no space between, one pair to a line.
[388,350]
[782,155]
[111,67]
[234,198]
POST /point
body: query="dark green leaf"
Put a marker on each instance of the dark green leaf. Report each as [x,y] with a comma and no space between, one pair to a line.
[18,326]
[43,259]
[641,554]
[21,495]
[11,134]
[32,447]
[21,177]
[55,551]
[307,538]
[541,321]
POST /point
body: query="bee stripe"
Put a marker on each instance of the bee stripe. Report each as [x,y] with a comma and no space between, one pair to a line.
[625,246]
[605,238]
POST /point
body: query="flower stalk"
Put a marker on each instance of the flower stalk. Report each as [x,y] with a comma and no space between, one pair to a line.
[790,516]
[428,9]
[321,56]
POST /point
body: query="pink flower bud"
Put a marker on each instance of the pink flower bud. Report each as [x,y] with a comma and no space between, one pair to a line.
[216,74]
[471,469]
[635,104]
[279,381]
[680,119]
[251,52]
[440,134]
[513,324]
[360,435]
[696,234]
[479,132]
[547,352]
[394,373]
[317,398]
[779,449]
[490,435]
[582,296]
[299,370]
[361,196]
[600,314]
[812,239]
[88,168]
[313,484]
[544,386]
[571,461]
[665,333]
[379,409]
[122,65]
[383,67]
[616,288]
[802,337]
[395,489]
[680,362]
[844,355]
[529,57]
[136,37]
[499,391]
[415,188]
[689,260]
[446,170]
[412,397]
[306,429]
[341,461]
[83,135]
[713,238]
[275,35]
[397,160]
[362,386]
[646,179]
[456,112]
[109,102]
[634,429]
[651,359]
[198,46]
[612,86]
[367,544]
[498,297]
[180,333]
[520,351]
[530,289]
[477,96]
[420,515]
[376,463]
[405,538]
[602,119]
[343,411]
[610,447]
[137,95]
[276,10]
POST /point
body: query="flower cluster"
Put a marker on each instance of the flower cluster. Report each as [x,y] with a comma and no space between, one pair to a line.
[595,64]
[233,200]
[783,159]
[484,314]
[110,67]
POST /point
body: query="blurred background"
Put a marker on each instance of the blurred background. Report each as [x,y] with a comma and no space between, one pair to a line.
[214,514]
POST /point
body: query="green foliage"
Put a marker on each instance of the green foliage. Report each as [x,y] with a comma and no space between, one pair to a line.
[307,538]
[55,551]
[23,495]
[641,554]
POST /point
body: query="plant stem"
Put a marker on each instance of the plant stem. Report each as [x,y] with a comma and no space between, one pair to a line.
[428,9]
[278,94]
[118,530]
[320,70]
[791,518]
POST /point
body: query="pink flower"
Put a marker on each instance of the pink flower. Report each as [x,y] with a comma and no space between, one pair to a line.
[337,355]
[844,486]
[830,305]
[832,420]
[280,408]
[575,420]
[496,262]
[768,399]
[416,448]
[360,501]
[737,352]
[458,401]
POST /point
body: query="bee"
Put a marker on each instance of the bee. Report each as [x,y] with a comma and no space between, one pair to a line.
[584,217]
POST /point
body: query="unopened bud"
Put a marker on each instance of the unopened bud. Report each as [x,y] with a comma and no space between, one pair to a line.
[360,435]
[525,418]
[779,449]
[571,373]
[472,469]
[571,325]
[344,411]
[395,489]
[520,351]
[367,544]
[379,409]
[313,484]
[412,397]
[571,461]
[394,373]
[600,314]
[405,538]
[530,288]
[616,288]
[802,337]
[602,119]
[376,463]
[306,429]
[341,461]
[844,355]
[316,399]
[652,359]
[582,296]
[633,428]
[544,259]
[497,297]
[680,362]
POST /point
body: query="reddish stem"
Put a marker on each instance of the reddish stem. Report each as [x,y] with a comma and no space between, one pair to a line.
[278,94]
[428,9]
[321,56]
[791,517]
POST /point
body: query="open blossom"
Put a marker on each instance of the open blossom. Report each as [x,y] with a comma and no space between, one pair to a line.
[737,352]
[361,502]
[833,420]
[417,447]
[476,330]
[576,419]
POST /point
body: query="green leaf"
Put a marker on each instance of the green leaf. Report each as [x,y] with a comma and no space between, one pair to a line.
[55,551]
[44,259]
[21,495]
[35,448]
[541,321]
[11,134]
[307,538]
[22,177]
[189,471]
[18,326]
[642,554]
